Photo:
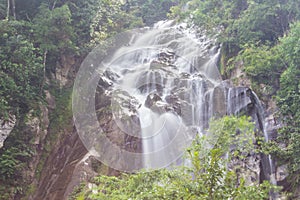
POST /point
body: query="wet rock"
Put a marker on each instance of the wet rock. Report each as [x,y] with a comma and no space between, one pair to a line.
[111,75]
[219,101]
[247,169]
[59,168]
[150,81]
[154,65]
[181,108]
[65,70]
[156,104]
[37,125]
[281,173]
[167,57]
[5,128]
[50,100]
[152,99]
[239,99]
[105,82]
[118,118]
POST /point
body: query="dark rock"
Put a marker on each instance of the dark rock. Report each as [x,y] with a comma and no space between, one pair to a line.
[152,99]
[149,81]
[111,75]
[50,100]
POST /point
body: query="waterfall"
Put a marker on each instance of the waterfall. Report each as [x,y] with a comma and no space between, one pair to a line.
[163,86]
[172,75]
[264,129]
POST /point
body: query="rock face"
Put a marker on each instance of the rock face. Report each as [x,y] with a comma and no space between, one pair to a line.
[267,123]
[66,70]
[58,170]
[70,164]
[5,128]
[166,86]
[117,115]
[249,169]
[33,132]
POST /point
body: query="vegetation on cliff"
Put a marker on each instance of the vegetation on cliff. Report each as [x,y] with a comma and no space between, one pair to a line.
[264,35]
[207,177]
[35,37]
[36,34]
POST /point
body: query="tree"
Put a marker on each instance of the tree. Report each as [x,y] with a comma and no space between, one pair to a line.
[10,9]
[20,70]
[109,20]
[264,65]
[2,9]
[153,11]
[288,100]
[207,178]
[52,29]
[54,34]
[278,67]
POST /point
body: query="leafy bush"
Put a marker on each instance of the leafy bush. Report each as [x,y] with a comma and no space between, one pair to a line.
[12,161]
[20,69]
[206,178]
[288,99]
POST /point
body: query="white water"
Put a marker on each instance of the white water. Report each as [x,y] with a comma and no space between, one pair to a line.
[266,136]
[179,67]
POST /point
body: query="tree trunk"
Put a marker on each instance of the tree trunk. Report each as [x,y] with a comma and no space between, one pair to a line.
[14,9]
[44,71]
[54,4]
[8,7]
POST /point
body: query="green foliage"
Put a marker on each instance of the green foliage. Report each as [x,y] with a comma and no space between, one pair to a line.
[20,69]
[288,99]
[231,131]
[263,65]
[115,16]
[60,123]
[290,46]
[245,21]
[63,112]
[259,23]
[52,29]
[106,20]
[83,14]
[213,13]
[207,177]
[2,9]
[26,10]
[265,36]
[242,25]
[153,11]
[278,67]
[12,161]
[256,30]
[34,43]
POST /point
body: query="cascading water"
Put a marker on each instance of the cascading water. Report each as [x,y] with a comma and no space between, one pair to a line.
[266,136]
[164,86]
[172,75]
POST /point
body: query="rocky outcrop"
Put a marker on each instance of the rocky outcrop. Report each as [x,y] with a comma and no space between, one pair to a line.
[247,169]
[263,111]
[6,126]
[65,71]
[57,172]
[192,92]
[118,117]
[69,163]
